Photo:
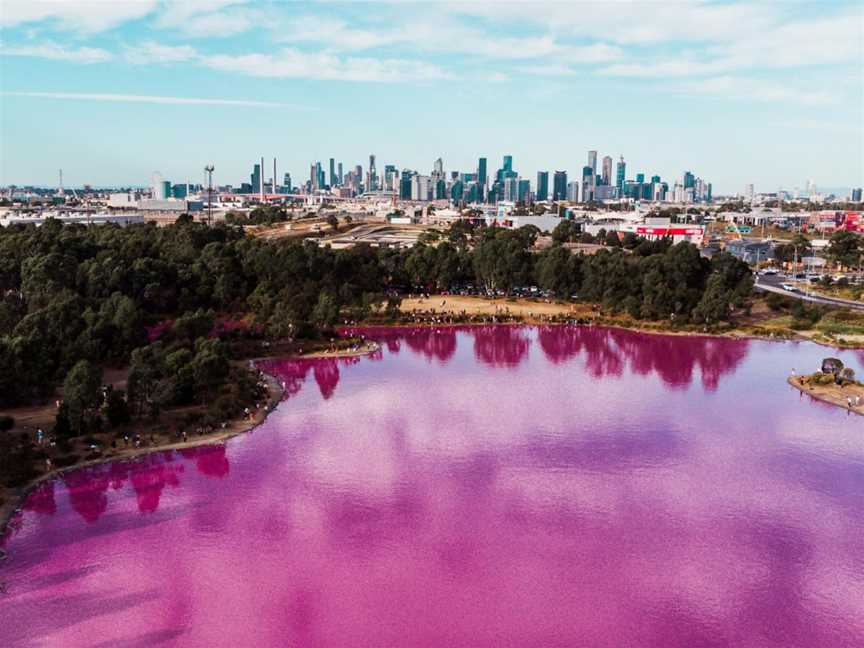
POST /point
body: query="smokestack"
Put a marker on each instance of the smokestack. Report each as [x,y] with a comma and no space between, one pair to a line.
[274,175]
[261,181]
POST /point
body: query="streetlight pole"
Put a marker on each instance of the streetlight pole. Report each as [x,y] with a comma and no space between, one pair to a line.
[209,171]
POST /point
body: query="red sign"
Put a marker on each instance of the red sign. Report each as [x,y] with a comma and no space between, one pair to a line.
[669,231]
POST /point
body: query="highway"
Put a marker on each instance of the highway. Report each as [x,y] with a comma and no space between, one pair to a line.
[771,283]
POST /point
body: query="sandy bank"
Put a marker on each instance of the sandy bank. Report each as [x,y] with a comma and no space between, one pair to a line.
[832,394]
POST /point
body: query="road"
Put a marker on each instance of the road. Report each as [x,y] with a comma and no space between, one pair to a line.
[771,283]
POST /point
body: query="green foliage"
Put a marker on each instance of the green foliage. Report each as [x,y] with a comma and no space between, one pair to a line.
[82,397]
[73,293]
[566,232]
[116,408]
[326,311]
[845,248]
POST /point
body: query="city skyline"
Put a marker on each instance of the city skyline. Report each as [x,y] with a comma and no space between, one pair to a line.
[113,93]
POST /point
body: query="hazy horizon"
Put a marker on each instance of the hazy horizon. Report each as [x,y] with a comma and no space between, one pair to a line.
[737,93]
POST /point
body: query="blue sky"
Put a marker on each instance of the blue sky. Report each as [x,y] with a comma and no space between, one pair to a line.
[111,91]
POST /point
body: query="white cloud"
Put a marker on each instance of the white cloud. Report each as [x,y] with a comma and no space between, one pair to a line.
[88,16]
[440,35]
[634,23]
[729,87]
[152,52]
[56,52]
[293,63]
[203,18]
[82,96]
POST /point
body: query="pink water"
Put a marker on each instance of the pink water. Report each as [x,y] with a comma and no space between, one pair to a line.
[485,487]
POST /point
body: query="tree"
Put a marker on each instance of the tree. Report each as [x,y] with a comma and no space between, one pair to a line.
[326,311]
[553,271]
[845,248]
[82,396]
[566,232]
[116,408]
[333,222]
[715,303]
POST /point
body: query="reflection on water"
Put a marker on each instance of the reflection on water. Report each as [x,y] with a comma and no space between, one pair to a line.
[603,488]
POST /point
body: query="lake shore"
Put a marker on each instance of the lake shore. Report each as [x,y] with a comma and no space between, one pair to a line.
[15,497]
[527,311]
[831,394]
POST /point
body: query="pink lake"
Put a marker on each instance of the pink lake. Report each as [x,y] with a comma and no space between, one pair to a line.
[499,486]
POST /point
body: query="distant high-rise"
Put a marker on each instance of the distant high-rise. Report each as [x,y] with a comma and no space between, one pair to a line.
[620,172]
[856,194]
[481,177]
[559,186]
[508,164]
[313,177]
[341,178]
[689,180]
[255,177]
[319,172]
[333,181]
[286,182]
[542,185]
[606,173]
[573,191]
[438,168]
[592,161]
[372,183]
[588,182]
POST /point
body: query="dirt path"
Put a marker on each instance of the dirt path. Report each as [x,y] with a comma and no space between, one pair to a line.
[457,304]
[14,497]
[833,394]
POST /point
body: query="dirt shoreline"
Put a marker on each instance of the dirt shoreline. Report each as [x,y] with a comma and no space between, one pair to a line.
[827,394]
[528,312]
[16,497]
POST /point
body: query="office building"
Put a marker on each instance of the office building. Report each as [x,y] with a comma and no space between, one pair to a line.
[573,191]
[333,181]
[255,178]
[606,173]
[689,180]
[559,185]
[588,181]
[620,172]
[542,185]
[592,161]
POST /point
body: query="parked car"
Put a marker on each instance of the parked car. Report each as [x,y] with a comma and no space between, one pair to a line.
[788,287]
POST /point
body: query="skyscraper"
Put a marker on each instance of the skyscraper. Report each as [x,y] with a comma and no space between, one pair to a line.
[372,183]
[333,182]
[588,180]
[542,185]
[255,178]
[559,186]
[592,161]
[438,168]
[508,164]
[606,174]
[341,178]
[689,180]
[619,175]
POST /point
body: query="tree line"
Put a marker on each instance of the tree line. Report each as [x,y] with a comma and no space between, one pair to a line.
[71,294]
